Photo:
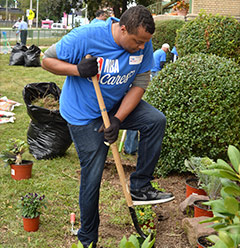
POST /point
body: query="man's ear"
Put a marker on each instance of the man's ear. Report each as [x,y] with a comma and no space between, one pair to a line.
[123,29]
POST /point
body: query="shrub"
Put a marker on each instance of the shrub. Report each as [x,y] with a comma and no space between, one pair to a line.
[199,94]
[211,34]
[166,33]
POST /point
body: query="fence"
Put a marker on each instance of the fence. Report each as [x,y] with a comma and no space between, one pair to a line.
[38,37]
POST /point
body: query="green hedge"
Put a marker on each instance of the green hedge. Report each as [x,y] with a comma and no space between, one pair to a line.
[213,34]
[200,96]
[166,32]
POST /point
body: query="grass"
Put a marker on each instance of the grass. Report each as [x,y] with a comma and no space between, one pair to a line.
[58,178]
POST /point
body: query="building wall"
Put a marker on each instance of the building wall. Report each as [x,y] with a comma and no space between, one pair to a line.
[226,7]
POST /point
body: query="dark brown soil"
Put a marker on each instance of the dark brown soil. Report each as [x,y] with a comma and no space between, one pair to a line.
[204,242]
[169,218]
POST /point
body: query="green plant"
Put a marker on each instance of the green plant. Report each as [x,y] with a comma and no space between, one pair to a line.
[166,32]
[14,151]
[211,184]
[199,95]
[30,205]
[133,242]
[145,215]
[80,245]
[227,209]
[212,34]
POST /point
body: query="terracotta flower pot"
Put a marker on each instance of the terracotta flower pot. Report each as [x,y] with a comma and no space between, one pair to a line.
[182,12]
[23,171]
[191,187]
[31,225]
[201,210]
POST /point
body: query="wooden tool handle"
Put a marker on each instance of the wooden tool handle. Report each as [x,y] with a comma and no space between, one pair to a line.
[114,148]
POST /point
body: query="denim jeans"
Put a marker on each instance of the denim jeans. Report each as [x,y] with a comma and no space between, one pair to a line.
[131,142]
[92,153]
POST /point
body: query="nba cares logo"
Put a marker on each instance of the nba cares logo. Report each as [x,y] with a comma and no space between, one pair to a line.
[100,61]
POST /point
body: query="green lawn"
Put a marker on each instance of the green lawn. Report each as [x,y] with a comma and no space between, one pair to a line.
[58,178]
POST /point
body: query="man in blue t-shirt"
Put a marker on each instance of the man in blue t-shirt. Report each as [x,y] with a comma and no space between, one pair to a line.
[122,58]
[159,59]
[101,16]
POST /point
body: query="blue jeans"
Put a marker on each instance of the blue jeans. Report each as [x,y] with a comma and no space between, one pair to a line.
[131,142]
[92,153]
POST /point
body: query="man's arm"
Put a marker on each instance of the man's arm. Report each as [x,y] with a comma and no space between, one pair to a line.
[129,102]
[59,67]
[52,64]
[134,95]
[86,67]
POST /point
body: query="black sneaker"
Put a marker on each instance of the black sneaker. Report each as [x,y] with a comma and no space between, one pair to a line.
[150,195]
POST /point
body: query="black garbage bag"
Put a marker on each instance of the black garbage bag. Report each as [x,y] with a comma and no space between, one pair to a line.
[32,56]
[48,135]
[17,54]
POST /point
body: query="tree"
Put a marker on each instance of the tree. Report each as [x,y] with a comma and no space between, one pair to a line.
[117,6]
[51,9]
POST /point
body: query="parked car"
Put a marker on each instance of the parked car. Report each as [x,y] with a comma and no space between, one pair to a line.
[58,26]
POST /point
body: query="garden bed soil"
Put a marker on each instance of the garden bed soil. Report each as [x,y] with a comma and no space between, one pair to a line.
[169,218]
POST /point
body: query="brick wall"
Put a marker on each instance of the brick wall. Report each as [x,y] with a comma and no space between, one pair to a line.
[223,7]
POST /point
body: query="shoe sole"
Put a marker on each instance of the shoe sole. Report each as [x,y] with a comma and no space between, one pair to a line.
[138,203]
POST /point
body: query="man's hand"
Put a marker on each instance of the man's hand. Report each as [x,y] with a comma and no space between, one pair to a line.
[111,133]
[88,67]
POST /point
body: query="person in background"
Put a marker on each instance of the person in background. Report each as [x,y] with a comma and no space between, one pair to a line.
[101,16]
[16,24]
[174,54]
[131,142]
[22,28]
[125,56]
[159,57]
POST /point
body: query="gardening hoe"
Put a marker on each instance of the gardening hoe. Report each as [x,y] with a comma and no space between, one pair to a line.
[122,140]
[116,157]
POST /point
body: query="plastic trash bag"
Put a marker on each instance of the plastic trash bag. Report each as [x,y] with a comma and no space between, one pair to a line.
[32,56]
[17,55]
[48,135]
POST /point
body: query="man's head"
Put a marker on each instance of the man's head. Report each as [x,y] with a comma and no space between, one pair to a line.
[101,15]
[136,28]
[165,47]
[137,16]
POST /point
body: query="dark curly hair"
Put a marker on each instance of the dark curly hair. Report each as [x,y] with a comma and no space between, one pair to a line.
[137,16]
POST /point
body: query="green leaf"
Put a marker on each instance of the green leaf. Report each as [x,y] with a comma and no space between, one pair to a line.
[80,245]
[225,237]
[123,242]
[234,155]
[134,240]
[74,246]
[229,175]
[146,243]
[231,205]
[232,190]
[213,238]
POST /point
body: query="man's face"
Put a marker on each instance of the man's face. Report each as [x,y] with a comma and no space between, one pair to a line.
[103,17]
[134,42]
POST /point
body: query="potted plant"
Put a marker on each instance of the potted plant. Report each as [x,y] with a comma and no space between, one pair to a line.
[226,210]
[212,186]
[12,155]
[30,207]
[181,7]
[195,165]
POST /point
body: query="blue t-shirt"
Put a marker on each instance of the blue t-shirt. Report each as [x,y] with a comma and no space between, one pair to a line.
[95,20]
[174,51]
[158,56]
[78,101]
